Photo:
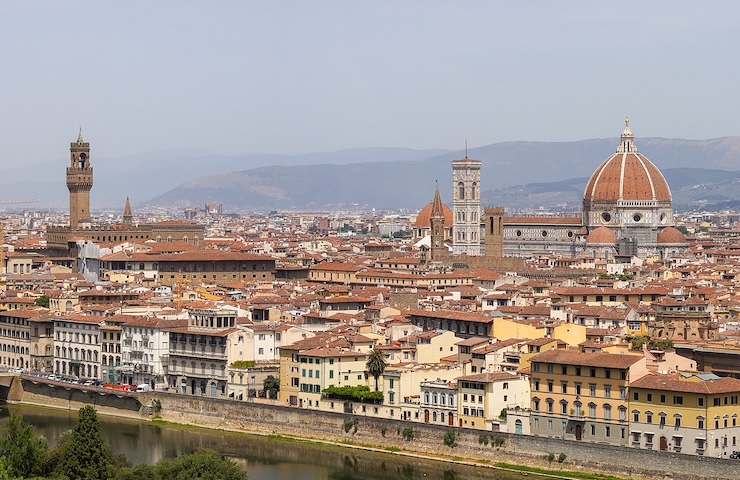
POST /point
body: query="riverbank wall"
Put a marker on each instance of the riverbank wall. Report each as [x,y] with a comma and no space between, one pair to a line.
[390,435]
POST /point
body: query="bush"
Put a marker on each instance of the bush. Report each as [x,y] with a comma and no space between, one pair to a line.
[450,438]
[483,439]
[550,457]
[561,457]
[243,364]
[502,415]
[408,433]
[349,423]
[383,430]
[360,393]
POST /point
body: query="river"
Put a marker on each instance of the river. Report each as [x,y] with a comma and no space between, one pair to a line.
[264,458]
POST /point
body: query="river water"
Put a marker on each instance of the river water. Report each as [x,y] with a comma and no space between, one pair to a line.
[264,458]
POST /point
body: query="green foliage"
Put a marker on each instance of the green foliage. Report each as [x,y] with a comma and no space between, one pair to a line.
[450,438]
[558,473]
[360,393]
[638,341]
[85,455]
[502,415]
[202,465]
[349,424]
[383,430]
[483,439]
[42,301]
[408,433]
[497,441]
[271,386]
[24,452]
[562,457]
[243,364]
[376,364]
[550,457]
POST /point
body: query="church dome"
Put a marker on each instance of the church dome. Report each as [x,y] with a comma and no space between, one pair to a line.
[627,176]
[423,218]
[671,235]
[601,235]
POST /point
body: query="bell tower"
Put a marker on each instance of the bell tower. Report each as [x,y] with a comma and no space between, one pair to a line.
[79,182]
[437,224]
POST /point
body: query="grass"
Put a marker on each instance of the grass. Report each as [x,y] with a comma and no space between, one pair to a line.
[393,449]
[560,473]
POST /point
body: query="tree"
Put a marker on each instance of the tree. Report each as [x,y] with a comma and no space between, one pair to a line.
[23,450]
[85,455]
[202,465]
[42,301]
[376,364]
[272,386]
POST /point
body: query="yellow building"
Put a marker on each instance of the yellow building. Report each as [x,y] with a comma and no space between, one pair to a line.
[482,397]
[582,396]
[692,413]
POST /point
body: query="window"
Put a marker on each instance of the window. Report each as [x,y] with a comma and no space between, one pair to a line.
[649,397]
[564,369]
[678,400]
[635,416]
[700,423]
[549,385]
[592,389]
[607,373]
[593,429]
[536,384]
[591,409]
[623,393]
[549,402]
[261,351]
[578,388]
[578,371]
[564,387]
[622,414]
[607,391]
[607,412]
[549,368]
[662,398]
[648,417]
[635,395]
[536,404]
[700,401]
[563,406]
[608,431]
[593,372]
[662,419]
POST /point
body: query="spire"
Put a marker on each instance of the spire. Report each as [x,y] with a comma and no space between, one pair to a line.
[127,215]
[437,210]
[627,139]
[79,136]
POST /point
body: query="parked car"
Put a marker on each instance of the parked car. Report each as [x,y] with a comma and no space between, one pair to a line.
[735,455]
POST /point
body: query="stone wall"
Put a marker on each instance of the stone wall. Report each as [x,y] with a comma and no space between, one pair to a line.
[266,418]
[428,439]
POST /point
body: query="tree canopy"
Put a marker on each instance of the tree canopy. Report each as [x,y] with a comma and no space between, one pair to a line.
[376,364]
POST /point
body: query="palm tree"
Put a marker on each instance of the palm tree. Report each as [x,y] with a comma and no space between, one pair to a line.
[376,364]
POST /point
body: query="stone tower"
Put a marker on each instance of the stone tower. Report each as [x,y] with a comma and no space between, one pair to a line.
[79,182]
[128,216]
[466,207]
[494,232]
[438,250]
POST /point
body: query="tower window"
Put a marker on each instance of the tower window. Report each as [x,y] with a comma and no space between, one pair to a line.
[461,190]
[606,217]
[472,191]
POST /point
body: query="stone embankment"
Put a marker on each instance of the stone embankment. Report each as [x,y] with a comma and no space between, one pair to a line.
[390,435]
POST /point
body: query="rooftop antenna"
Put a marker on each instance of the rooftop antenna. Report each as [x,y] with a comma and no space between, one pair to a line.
[466,148]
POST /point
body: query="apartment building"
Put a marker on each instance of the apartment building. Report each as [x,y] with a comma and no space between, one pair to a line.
[483,396]
[582,396]
[686,412]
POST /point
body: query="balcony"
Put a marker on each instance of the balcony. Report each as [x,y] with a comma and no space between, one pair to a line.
[219,354]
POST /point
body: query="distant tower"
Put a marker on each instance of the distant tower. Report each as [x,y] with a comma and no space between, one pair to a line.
[79,182]
[466,206]
[437,227]
[494,231]
[128,217]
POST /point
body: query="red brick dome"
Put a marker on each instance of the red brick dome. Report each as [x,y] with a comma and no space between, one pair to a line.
[423,218]
[602,235]
[671,235]
[627,176]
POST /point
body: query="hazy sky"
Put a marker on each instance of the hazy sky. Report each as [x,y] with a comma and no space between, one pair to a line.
[303,76]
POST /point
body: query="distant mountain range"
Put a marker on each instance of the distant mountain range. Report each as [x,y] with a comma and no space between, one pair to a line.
[517,175]
[549,175]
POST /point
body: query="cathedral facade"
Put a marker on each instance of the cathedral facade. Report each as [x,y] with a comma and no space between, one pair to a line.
[627,212]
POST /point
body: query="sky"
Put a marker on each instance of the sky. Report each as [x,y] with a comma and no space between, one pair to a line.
[241,77]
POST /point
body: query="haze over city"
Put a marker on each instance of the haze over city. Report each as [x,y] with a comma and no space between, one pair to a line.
[296,77]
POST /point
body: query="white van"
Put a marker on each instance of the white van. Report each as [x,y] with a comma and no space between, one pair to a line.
[144,387]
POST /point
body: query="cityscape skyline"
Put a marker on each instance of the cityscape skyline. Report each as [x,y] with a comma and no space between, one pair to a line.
[294,78]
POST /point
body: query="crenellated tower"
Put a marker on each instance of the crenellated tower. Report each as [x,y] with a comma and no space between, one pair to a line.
[79,182]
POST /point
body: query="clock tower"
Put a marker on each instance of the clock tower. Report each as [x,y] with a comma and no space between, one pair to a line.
[79,182]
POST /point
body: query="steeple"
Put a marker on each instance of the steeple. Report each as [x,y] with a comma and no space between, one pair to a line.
[437,230]
[128,217]
[627,139]
[79,136]
[437,210]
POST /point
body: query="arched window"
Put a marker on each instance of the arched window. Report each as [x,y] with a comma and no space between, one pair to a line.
[461,190]
[472,191]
